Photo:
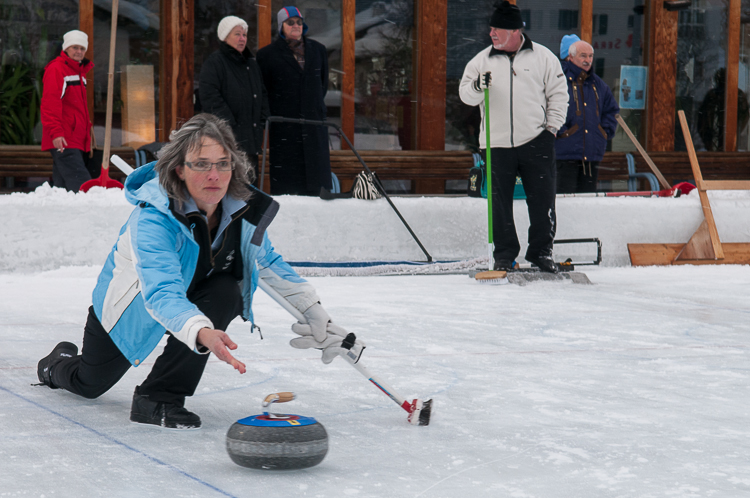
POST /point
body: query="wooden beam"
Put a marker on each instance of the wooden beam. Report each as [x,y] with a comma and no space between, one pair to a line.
[662,77]
[644,154]
[348,11]
[86,24]
[175,65]
[712,232]
[265,20]
[587,20]
[733,62]
[431,58]
[726,184]
[735,253]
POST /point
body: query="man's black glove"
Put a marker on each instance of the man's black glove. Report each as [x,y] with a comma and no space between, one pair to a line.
[483,81]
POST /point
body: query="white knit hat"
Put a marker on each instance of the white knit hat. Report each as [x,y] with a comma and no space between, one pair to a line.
[75,37]
[227,24]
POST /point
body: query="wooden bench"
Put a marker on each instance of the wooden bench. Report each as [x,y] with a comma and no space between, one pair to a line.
[675,166]
[428,170]
[30,161]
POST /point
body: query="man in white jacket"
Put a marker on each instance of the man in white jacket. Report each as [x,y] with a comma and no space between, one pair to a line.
[529,102]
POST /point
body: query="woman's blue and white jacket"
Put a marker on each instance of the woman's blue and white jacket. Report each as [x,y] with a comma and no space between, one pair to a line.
[141,291]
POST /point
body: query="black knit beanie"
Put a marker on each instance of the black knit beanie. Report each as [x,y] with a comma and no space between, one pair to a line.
[506,16]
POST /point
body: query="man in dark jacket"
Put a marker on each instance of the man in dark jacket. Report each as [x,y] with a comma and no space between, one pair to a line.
[590,123]
[295,72]
[66,126]
[231,87]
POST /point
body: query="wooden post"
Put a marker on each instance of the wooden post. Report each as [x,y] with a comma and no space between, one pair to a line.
[734,12]
[176,33]
[265,20]
[662,77]
[86,24]
[348,11]
[587,20]
[430,57]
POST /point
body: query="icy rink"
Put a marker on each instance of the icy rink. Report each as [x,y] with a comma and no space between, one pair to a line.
[636,386]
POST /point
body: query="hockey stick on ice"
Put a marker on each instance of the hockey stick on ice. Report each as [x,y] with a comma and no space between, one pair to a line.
[419,411]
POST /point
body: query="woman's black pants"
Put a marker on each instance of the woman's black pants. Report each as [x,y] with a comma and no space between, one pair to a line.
[176,372]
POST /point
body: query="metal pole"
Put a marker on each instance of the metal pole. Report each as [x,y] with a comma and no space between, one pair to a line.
[278,119]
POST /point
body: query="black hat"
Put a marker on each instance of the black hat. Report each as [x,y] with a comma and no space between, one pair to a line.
[506,16]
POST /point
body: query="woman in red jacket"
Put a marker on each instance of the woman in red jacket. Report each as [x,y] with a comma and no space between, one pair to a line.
[66,127]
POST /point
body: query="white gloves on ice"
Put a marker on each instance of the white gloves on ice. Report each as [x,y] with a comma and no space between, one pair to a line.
[483,81]
[321,333]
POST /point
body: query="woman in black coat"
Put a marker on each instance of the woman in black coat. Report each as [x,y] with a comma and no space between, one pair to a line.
[231,87]
[295,72]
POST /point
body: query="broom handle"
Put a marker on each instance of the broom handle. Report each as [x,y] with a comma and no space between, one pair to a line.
[358,366]
[488,150]
[110,86]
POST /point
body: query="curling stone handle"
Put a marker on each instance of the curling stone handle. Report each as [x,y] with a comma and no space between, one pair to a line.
[282,397]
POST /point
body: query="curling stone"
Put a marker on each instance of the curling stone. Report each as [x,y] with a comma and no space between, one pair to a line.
[273,441]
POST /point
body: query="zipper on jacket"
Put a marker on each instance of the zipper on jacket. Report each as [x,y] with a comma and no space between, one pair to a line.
[583,99]
[512,72]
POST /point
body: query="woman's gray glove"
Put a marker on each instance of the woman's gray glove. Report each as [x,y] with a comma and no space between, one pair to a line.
[321,333]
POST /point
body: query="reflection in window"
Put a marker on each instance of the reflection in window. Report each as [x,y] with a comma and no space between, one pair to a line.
[743,130]
[383,51]
[31,34]
[617,44]
[137,44]
[567,19]
[701,75]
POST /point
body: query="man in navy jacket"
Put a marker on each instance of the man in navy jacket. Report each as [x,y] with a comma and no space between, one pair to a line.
[590,123]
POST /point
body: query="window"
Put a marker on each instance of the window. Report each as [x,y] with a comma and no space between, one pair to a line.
[603,21]
[567,19]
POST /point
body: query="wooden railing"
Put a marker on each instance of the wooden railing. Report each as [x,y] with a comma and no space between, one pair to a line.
[428,170]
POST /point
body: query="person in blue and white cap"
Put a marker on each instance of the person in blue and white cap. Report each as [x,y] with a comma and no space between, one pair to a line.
[565,44]
[295,73]
[590,123]
[231,87]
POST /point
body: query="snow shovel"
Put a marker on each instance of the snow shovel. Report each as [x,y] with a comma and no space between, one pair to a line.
[104,180]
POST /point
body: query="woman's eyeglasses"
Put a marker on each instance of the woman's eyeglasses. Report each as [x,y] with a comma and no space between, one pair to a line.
[204,166]
[293,22]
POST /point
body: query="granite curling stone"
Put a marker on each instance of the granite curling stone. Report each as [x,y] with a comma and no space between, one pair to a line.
[273,441]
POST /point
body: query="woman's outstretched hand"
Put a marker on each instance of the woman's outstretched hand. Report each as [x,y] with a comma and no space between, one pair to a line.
[219,343]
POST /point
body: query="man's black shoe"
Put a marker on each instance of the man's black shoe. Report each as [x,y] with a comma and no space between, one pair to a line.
[44,367]
[167,415]
[545,263]
[503,265]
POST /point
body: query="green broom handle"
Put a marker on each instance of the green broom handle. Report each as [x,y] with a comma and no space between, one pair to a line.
[489,170]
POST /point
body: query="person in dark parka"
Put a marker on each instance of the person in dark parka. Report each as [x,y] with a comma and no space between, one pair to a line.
[589,124]
[295,72]
[231,87]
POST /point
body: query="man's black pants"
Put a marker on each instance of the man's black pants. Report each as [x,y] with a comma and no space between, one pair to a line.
[577,176]
[176,372]
[534,162]
[69,169]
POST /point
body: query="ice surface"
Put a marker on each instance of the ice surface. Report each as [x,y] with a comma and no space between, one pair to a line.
[636,386]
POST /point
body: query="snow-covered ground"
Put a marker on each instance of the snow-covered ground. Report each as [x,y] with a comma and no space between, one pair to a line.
[636,386]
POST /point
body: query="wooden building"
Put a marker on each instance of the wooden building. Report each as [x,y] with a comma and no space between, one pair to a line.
[395,67]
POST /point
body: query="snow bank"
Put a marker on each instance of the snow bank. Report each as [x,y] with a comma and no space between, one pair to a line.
[51,228]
